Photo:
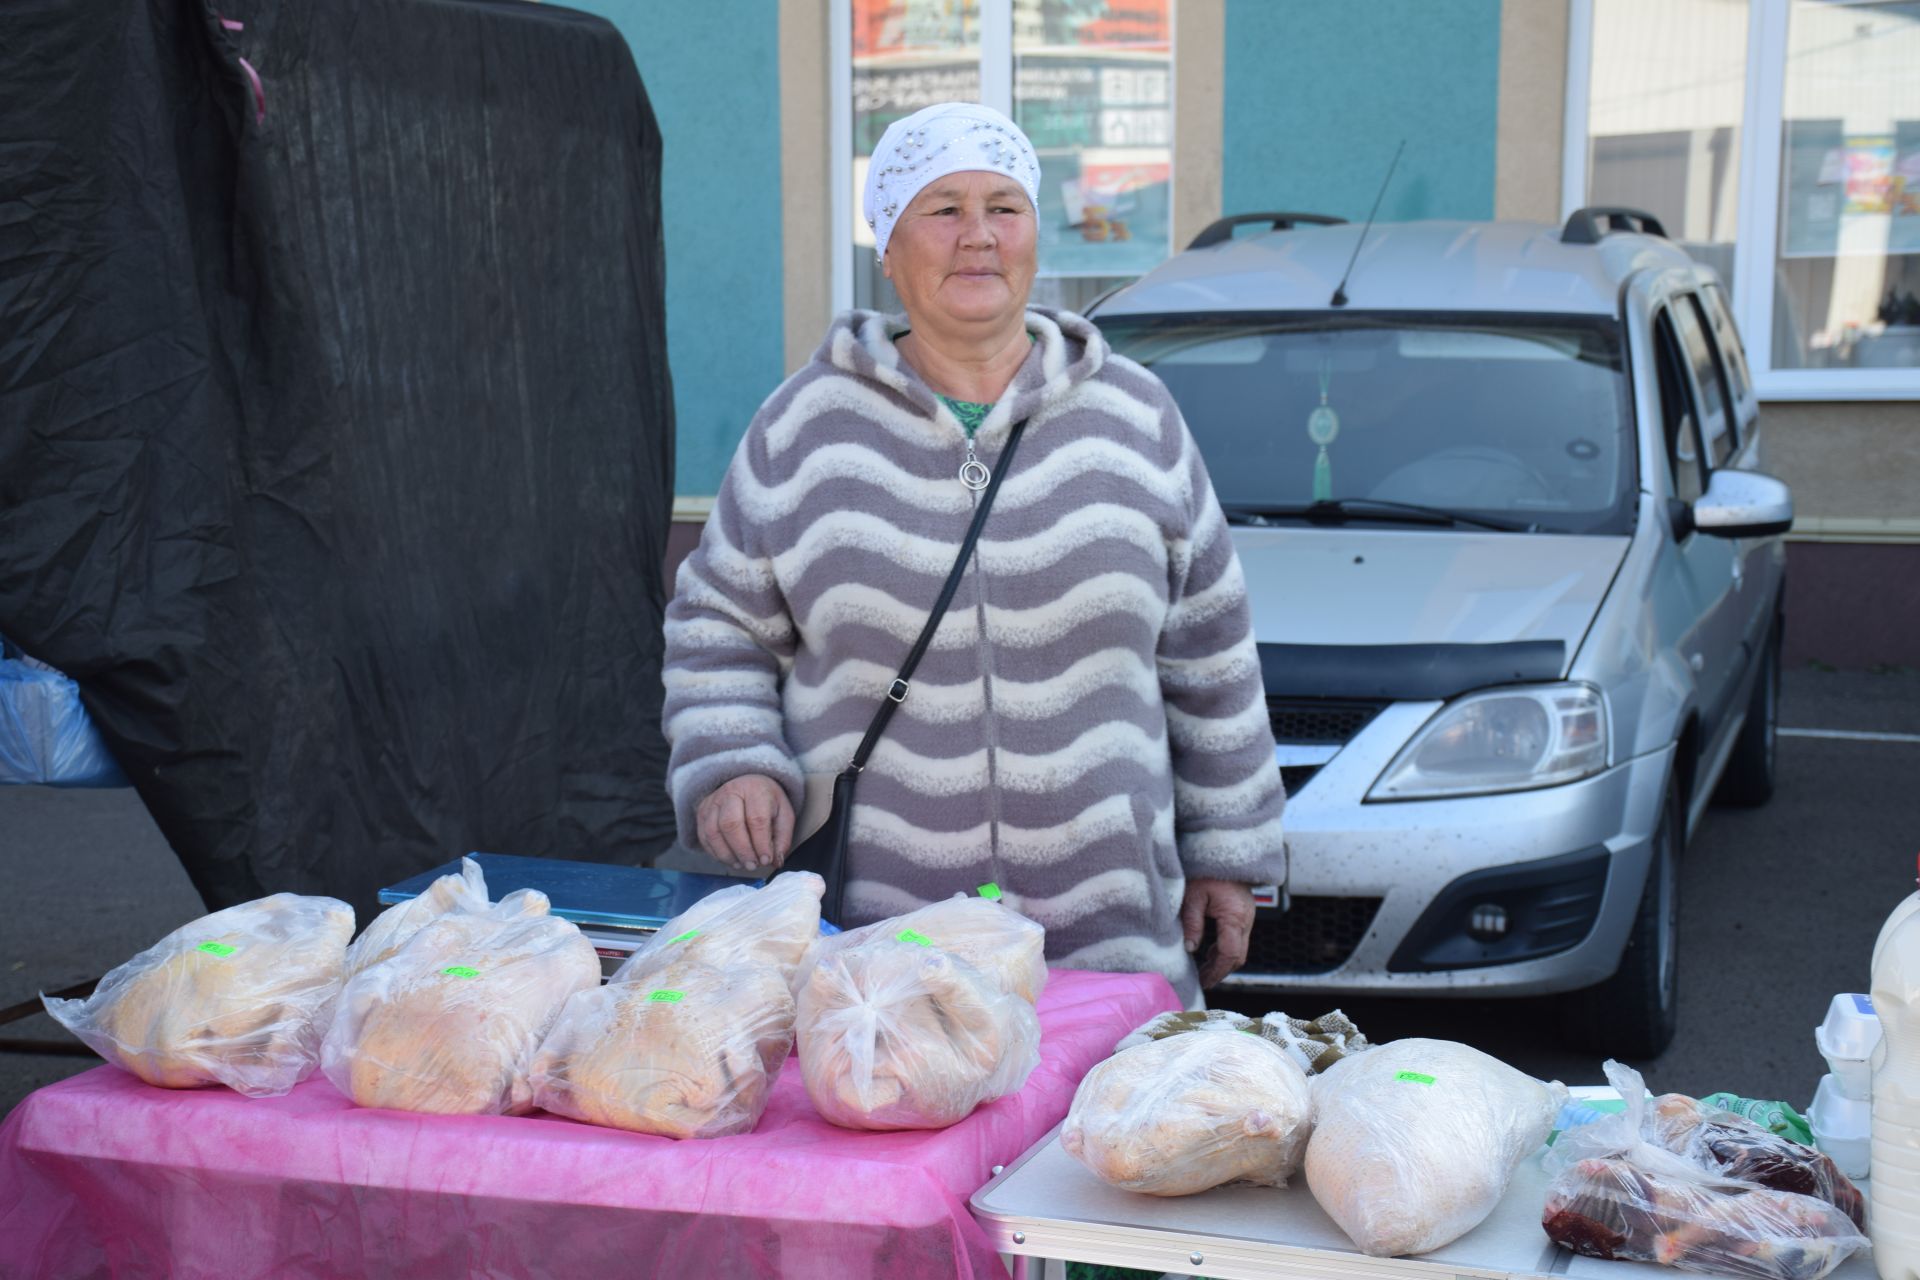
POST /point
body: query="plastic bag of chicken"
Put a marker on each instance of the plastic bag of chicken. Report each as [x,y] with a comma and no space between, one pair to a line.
[241,997]
[1415,1141]
[465,890]
[772,925]
[687,1051]
[450,1022]
[996,940]
[1618,1192]
[899,1034]
[1192,1111]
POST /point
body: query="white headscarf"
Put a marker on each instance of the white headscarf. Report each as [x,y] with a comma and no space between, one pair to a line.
[949,137]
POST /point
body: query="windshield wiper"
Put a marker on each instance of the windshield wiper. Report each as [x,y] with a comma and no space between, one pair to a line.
[1341,510]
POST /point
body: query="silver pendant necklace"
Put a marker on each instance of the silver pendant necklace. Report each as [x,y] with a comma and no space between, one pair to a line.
[973,472]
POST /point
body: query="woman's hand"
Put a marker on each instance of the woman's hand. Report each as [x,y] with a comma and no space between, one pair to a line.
[1230,906]
[748,823]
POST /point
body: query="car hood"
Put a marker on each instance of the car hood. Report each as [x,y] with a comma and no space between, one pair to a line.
[1393,586]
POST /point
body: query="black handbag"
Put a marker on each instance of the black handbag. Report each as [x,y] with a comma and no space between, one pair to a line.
[825,851]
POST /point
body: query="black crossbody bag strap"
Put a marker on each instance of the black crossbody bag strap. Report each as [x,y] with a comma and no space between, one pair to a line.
[825,851]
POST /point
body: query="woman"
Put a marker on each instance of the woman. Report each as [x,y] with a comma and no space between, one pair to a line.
[1088,730]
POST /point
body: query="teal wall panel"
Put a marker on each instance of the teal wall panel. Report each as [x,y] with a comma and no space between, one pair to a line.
[1318,94]
[712,71]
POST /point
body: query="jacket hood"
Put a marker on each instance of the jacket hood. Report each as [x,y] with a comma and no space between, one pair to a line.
[1067,351]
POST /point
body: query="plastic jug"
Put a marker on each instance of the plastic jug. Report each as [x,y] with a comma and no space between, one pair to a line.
[1893,1219]
[1908,905]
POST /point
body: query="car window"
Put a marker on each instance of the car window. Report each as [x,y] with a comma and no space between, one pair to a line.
[1721,317]
[1677,412]
[1521,418]
[1716,411]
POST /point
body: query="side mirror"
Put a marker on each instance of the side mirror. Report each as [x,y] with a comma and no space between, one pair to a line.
[1743,504]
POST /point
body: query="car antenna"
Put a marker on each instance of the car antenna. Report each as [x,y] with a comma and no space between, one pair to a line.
[1339,298]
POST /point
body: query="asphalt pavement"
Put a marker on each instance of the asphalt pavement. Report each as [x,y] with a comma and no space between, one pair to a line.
[1779,907]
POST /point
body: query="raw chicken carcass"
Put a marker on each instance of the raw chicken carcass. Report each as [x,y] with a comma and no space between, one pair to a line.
[240,997]
[991,936]
[771,926]
[1414,1141]
[899,1035]
[1191,1111]
[450,1022]
[690,1053]
[464,891]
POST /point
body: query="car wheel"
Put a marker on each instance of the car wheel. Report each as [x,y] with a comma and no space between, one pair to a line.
[1634,1013]
[1748,779]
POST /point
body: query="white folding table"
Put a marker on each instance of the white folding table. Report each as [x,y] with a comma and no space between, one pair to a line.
[1046,1205]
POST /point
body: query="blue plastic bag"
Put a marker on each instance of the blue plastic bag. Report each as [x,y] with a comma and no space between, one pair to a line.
[45,735]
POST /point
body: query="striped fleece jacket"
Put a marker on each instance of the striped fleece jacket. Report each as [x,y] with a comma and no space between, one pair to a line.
[1088,728]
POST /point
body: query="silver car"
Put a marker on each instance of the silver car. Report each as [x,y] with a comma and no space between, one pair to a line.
[1517,581]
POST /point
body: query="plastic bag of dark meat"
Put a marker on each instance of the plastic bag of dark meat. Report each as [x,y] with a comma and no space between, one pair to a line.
[1721,1142]
[1619,1192]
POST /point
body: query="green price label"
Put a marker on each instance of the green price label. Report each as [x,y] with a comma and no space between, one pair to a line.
[691,933]
[216,948]
[914,936]
[461,971]
[1414,1077]
[668,997]
[991,892]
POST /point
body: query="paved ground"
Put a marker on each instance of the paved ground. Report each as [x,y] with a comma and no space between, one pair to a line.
[1779,907]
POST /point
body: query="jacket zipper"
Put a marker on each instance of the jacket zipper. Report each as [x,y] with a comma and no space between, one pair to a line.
[986,686]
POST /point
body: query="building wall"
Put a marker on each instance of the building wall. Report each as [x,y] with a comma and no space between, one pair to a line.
[1319,93]
[1531,130]
[1852,467]
[713,74]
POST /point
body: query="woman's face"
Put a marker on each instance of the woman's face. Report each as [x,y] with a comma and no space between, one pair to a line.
[965,249]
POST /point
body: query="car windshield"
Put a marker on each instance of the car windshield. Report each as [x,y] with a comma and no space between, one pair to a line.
[1502,421]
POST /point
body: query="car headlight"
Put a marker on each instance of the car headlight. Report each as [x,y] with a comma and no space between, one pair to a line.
[1502,740]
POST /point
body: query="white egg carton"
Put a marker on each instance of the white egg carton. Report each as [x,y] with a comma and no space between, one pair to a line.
[1846,1039]
[1842,1127]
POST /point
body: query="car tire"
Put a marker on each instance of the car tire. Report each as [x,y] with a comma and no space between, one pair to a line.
[1634,1013]
[1747,782]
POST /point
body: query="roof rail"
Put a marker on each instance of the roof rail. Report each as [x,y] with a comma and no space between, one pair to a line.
[1221,230]
[1588,225]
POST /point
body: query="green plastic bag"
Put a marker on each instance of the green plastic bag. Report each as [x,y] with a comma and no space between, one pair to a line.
[1776,1117]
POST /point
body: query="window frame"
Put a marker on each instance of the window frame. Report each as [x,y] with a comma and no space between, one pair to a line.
[1756,242]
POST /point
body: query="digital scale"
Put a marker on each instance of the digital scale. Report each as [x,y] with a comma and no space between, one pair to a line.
[617,908]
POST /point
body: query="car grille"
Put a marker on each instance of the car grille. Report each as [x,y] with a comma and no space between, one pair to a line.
[1315,936]
[1319,720]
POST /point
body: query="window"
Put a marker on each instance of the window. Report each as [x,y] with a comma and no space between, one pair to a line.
[1676,413]
[1779,143]
[1091,83]
[1848,276]
[1523,419]
[1093,88]
[1667,85]
[1715,418]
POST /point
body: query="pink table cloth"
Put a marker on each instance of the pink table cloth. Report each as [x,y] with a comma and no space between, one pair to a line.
[101,1175]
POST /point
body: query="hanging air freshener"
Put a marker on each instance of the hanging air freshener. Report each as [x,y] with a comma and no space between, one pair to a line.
[1323,428]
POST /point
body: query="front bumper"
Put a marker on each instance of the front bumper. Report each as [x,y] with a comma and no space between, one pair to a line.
[1376,871]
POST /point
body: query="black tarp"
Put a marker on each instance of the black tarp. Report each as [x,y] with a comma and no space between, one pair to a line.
[336,441]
